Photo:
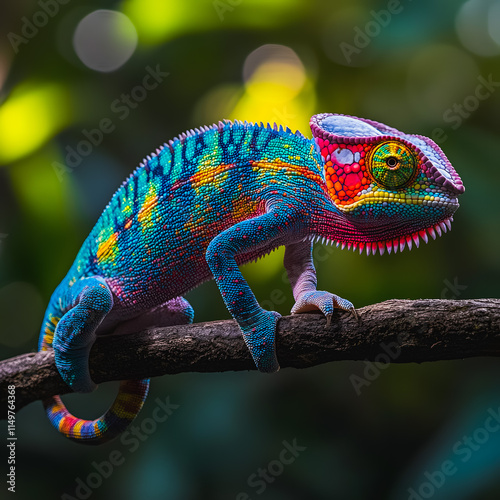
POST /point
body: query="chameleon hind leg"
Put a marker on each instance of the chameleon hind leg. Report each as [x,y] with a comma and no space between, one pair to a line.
[176,311]
[131,394]
[88,302]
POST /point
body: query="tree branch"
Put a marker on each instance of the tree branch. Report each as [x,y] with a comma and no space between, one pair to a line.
[411,331]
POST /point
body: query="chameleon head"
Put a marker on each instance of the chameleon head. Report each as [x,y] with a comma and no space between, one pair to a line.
[390,188]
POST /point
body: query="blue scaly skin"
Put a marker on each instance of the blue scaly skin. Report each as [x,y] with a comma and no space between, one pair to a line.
[220,196]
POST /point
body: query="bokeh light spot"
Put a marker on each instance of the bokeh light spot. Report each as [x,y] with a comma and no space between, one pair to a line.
[274,65]
[31,115]
[474,28]
[494,23]
[277,89]
[169,18]
[105,40]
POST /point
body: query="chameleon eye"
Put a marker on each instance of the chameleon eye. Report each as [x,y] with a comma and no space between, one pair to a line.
[392,164]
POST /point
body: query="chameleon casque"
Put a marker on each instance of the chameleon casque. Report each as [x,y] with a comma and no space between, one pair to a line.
[217,197]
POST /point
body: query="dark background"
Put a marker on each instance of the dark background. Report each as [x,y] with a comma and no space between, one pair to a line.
[417,66]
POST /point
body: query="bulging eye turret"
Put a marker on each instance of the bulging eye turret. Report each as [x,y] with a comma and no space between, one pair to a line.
[392,165]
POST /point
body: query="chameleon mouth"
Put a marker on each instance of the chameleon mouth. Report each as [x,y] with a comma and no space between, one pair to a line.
[394,244]
[438,201]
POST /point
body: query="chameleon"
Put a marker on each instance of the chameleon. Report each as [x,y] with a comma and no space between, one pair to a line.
[219,196]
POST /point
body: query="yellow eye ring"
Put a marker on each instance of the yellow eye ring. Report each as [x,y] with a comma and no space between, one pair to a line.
[392,164]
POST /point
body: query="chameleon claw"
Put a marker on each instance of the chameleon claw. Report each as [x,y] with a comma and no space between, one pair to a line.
[326,302]
[351,309]
[355,315]
[328,320]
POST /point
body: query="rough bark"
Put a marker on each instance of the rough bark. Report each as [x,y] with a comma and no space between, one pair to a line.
[415,331]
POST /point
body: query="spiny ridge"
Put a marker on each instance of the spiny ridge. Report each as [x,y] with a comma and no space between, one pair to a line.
[390,245]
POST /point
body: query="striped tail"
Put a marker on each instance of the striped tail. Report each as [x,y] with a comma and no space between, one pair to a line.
[128,403]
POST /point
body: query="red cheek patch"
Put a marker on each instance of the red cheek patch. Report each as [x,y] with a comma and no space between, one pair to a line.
[352,180]
[345,170]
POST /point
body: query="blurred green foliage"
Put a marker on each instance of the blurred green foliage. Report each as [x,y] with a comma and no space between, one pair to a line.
[413,65]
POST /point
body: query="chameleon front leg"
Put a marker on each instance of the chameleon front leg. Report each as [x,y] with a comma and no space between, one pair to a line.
[258,325]
[299,265]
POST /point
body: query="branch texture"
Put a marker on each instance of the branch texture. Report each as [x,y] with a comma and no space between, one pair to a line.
[416,330]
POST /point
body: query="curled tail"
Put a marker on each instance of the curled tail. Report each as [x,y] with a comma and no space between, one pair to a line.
[69,329]
[128,403]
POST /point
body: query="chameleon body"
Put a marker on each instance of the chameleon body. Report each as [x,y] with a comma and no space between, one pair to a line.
[217,197]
